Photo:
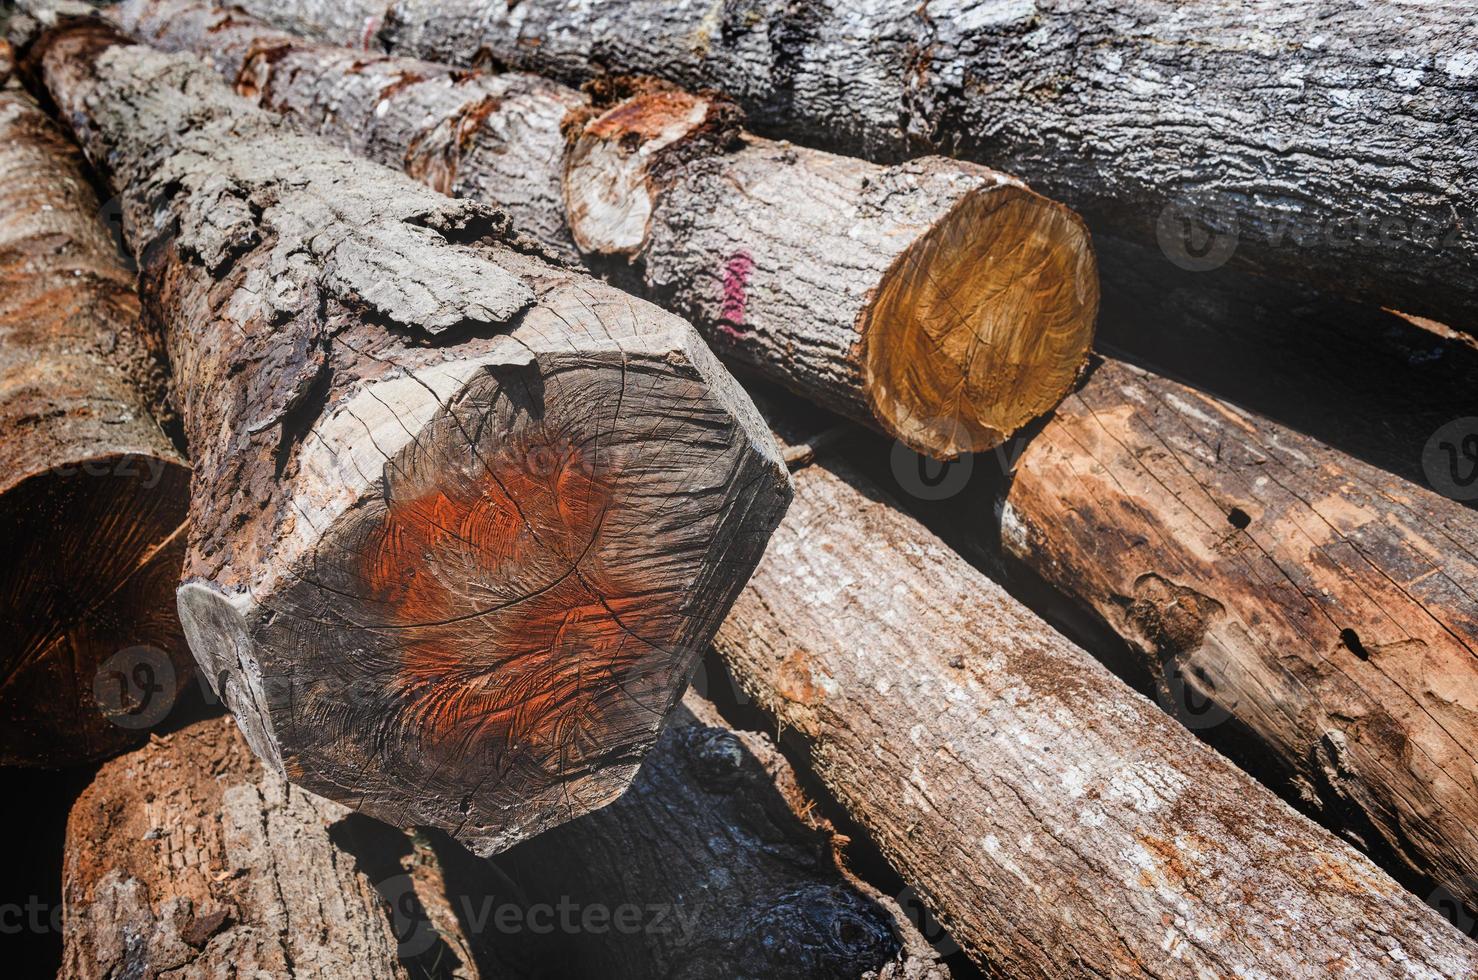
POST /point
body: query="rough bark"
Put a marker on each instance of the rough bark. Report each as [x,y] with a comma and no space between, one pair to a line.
[941,301]
[1327,607]
[491,137]
[92,492]
[187,858]
[712,865]
[1146,116]
[1056,822]
[462,519]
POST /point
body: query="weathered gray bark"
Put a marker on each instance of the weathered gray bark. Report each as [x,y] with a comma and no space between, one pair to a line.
[1323,605]
[187,858]
[1143,115]
[1056,822]
[713,865]
[92,492]
[941,301]
[490,137]
[462,520]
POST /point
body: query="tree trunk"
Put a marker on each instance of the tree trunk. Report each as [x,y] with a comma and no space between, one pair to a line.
[943,302]
[1056,822]
[462,520]
[1148,116]
[711,866]
[1321,604]
[187,858]
[92,492]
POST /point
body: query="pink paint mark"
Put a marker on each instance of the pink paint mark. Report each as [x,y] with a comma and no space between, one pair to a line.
[736,293]
[371,28]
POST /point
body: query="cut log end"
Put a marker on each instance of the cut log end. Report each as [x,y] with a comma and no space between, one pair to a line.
[91,657]
[615,156]
[497,632]
[982,324]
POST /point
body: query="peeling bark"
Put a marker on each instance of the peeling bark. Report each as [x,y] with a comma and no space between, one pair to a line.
[187,858]
[940,301]
[462,520]
[1144,116]
[722,871]
[1056,822]
[1326,607]
[92,492]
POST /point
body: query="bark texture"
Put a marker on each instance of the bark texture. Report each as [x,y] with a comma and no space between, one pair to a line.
[941,301]
[719,868]
[93,494]
[463,520]
[1056,822]
[1324,605]
[491,137]
[187,858]
[1147,116]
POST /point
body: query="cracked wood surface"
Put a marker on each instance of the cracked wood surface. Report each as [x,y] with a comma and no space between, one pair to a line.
[1334,137]
[941,301]
[1057,823]
[188,858]
[1319,604]
[92,492]
[462,520]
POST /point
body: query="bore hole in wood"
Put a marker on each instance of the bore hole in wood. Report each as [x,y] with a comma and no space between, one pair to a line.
[1239,518]
[1352,643]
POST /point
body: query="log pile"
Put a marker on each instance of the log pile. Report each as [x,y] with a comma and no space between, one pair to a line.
[625,195]
[945,303]
[462,520]
[1155,121]
[464,506]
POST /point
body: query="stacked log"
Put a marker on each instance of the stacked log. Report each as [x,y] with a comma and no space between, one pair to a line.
[1078,519]
[942,302]
[92,491]
[1321,604]
[462,520]
[1154,120]
[1056,822]
[188,856]
[717,865]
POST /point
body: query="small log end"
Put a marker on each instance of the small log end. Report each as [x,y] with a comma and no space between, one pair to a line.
[982,324]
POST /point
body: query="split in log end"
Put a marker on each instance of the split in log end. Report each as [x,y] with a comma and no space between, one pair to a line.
[982,324]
